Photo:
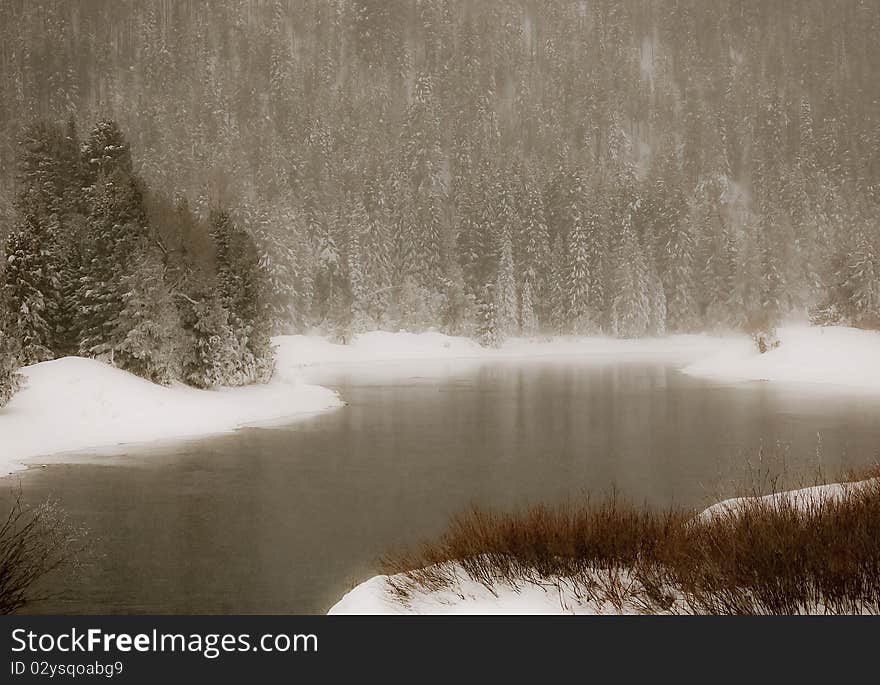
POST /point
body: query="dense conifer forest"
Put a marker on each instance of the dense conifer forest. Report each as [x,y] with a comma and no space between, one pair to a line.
[497,168]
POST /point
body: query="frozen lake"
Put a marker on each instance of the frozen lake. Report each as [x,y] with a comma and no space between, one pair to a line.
[285,519]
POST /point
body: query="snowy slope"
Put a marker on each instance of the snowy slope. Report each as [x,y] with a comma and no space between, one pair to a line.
[470,597]
[802,499]
[834,355]
[75,403]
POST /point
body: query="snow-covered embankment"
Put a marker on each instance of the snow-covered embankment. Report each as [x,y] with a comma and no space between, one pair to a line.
[77,404]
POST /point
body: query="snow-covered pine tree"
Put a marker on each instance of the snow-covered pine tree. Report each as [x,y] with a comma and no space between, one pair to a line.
[485,243]
[656,299]
[148,326]
[10,379]
[584,284]
[469,236]
[716,274]
[106,150]
[213,356]
[734,304]
[280,239]
[115,225]
[678,277]
[577,283]
[68,268]
[376,255]
[528,321]
[29,283]
[559,320]
[459,312]
[49,195]
[328,265]
[534,262]
[487,324]
[241,282]
[39,169]
[631,314]
[863,281]
[772,277]
[421,206]
[504,292]
[359,320]
[429,263]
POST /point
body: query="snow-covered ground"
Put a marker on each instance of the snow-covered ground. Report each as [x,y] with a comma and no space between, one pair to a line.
[802,499]
[832,355]
[75,404]
[467,596]
[551,595]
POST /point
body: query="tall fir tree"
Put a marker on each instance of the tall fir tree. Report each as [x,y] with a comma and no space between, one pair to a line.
[241,280]
[148,326]
[505,294]
[29,282]
[585,287]
[115,225]
[376,257]
[534,258]
[10,353]
[631,304]
[863,281]
[213,356]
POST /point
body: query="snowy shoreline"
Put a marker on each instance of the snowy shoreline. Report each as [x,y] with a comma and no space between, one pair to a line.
[827,356]
[76,404]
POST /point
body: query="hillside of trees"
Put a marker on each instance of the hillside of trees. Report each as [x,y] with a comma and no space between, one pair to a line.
[628,167]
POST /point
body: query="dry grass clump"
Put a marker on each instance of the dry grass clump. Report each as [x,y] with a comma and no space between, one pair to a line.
[788,555]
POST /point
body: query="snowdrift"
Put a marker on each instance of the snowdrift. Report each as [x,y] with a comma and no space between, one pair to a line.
[802,499]
[469,597]
[834,355]
[75,404]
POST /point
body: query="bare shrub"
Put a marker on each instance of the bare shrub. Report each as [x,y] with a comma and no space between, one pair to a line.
[34,542]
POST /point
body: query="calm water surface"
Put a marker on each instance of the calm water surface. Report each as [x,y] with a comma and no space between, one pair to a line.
[283,519]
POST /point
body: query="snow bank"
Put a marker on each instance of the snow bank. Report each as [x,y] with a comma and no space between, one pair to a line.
[382,346]
[75,404]
[802,499]
[832,356]
[374,597]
